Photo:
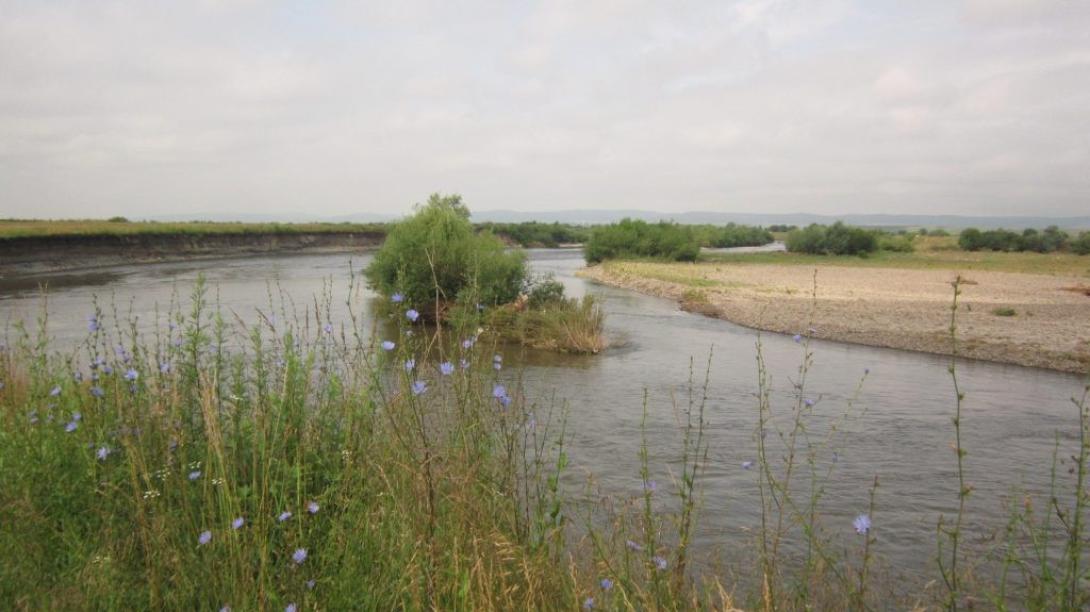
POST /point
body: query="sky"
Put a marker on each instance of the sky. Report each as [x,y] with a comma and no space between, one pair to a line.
[311,109]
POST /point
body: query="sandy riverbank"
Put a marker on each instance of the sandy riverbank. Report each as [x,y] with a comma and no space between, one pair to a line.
[895,308]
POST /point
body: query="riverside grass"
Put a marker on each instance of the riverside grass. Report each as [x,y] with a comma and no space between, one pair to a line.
[19,228]
[204,463]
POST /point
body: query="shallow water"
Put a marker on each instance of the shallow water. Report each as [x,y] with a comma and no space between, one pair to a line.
[1012,415]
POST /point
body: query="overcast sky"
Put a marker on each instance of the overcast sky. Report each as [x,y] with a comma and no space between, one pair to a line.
[310,108]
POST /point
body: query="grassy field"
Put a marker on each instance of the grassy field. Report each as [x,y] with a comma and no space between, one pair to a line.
[932,252]
[16,228]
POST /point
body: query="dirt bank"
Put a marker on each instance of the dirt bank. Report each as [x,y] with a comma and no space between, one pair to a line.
[32,255]
[902,309]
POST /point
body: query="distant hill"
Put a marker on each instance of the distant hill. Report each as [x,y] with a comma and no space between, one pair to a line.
[593,216]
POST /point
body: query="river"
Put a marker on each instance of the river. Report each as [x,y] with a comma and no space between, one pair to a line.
[1011,417]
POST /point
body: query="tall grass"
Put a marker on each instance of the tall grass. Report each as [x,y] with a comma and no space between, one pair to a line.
[209,461]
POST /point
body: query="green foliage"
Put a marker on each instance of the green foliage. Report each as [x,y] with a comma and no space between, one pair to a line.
[1004,311]
[536,234]
[117,220]
[1050,240]
[836,239]
[732,235]
[1081,245]
[782,228]
[634,239]
[434,256]
[899,243]
[544,291]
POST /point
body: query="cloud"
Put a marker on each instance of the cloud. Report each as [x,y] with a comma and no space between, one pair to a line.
[771,105]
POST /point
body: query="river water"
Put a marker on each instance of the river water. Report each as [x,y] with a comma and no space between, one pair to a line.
[899,429]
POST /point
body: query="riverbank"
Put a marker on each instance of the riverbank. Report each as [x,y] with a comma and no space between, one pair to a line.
[1024,319]
[67,252]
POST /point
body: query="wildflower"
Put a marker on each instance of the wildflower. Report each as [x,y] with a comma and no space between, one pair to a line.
[397,298]
[650,486]
[299,556]
[410,364]
[328,328]
[102,453]
[606,584]
[204,538]
[225,609]
[633,546]
[588,603]
[659,562]
[861,524]
[195,474]
[313,507]
[291,608]
[92,323]
[798,338]
[310,584]
[238,523]
[497,358]
[164,368]
[412,315]
[55,391]
[388,345]
[71,426]
[33,416]
[446,368]
[464,363]
[747,465]
[467,343]
[77,416]
[97,391]
[285,515]
[419,387]
[131,375]
[107,370]
[808,402]
[78,376]
[496,365]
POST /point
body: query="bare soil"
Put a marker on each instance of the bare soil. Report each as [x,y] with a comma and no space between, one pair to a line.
[895,308]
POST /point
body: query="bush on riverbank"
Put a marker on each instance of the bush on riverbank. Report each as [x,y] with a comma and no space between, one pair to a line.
[732,235]
[434,259]
[1049,240]
[835,239]
[531,234]
[635,239]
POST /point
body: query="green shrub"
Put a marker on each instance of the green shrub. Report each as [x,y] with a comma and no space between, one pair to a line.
[537,234]
[117,220]
[634,239]
[435,256]
[1081,245]
[1004,311]
[899,243]
[543,291]
[732,235]
[836,239]
[1050,240]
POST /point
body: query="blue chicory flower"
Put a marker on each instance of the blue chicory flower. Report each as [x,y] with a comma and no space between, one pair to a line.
[313,507]
[588,603]
[238,523]
[55,391]
[861,524]
[97,391]
[102,453]
[195,474]
[412,315]
[388,345]
[410,364]
[419,387]
[285,515]
[446,368]
[606,584]
[71,426]
[299,556]
[131,375]
[204,538]
[659,562]
[397,298]
[747,465]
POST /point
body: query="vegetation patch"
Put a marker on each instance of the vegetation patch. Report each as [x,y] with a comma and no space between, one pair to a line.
[631,239]
[1004,311]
